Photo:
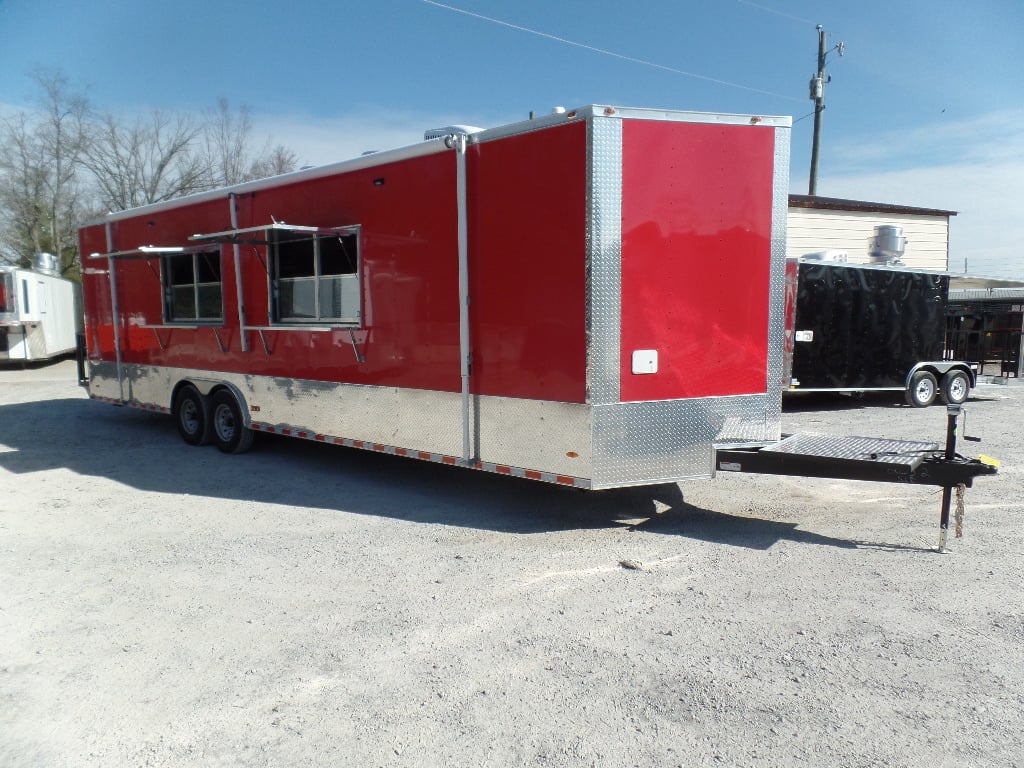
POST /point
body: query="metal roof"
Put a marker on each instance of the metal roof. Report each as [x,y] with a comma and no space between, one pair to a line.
[996,295]
[839,204]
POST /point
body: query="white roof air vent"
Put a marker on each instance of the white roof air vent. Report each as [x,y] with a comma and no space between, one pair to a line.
[448,130]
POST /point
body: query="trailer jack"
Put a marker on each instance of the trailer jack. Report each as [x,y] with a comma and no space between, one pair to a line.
[871,459]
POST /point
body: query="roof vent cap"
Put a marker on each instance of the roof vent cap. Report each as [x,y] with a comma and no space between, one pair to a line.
[450,130]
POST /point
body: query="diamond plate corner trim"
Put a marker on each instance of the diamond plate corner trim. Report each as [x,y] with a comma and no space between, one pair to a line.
[604,258]
[777,284]
[670,440]
[649,442]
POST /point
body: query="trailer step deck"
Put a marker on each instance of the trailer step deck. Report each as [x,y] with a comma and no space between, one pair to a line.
[876,459]
[875,449]
[852,458]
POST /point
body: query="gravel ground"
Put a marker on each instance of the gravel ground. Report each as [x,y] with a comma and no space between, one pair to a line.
[309,605]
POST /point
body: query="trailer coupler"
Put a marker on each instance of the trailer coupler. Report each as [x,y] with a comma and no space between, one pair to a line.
[871,459]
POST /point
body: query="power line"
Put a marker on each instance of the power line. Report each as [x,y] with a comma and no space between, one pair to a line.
[606,52]
[766,9]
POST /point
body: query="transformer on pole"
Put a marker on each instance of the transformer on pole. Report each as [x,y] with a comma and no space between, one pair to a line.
[817,95]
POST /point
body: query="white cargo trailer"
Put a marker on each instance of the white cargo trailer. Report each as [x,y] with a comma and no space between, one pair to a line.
[38,312]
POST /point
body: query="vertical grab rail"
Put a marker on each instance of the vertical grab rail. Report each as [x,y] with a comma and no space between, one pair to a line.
[239,293]
[115,312]
[465,351]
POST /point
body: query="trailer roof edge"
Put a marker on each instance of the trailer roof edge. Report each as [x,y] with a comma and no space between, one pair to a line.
[432,146]
[842,204]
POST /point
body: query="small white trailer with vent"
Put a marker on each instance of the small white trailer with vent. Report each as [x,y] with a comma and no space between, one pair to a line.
[39,317]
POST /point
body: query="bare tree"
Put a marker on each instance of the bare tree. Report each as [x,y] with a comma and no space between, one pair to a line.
[166,155]
[231,156]
[274,162]
[61,164]
[40,192]
[22,190]
[147,161]
[227,144]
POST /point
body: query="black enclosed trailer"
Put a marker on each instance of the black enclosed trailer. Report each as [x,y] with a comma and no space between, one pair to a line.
[865,327]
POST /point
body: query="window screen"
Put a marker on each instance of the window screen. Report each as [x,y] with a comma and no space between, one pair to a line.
[193,289]
[315,278]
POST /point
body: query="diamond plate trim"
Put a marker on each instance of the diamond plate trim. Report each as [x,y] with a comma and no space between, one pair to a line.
[604,258]
[777,285]
[877,449]
[639,443]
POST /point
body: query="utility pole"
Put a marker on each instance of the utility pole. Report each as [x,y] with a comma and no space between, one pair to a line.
[817,88]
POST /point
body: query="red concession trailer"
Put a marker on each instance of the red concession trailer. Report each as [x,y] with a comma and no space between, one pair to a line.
[593,298]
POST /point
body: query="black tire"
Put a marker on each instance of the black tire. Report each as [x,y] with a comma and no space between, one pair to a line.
[956,385]
[230,434]
[922,390]
[192,416]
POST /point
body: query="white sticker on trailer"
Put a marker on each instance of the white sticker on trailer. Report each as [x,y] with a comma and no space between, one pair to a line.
[645,361]
[730,466]
[805,335]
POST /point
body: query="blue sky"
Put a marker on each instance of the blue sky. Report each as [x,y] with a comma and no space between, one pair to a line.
[925,108]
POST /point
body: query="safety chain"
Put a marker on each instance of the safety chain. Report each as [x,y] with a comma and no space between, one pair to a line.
[959,514]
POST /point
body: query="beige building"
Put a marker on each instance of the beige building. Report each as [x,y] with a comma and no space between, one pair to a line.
[819,224]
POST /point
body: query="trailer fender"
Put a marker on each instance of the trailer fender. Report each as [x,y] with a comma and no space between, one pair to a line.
[208,387]
[939,368]
[229,421]
[954,379]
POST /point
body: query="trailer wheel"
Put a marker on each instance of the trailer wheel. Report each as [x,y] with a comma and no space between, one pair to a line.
[955,388]
[230,434]
[922,390]
[192,416]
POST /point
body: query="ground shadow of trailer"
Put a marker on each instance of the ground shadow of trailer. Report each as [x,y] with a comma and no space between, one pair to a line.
[140,450]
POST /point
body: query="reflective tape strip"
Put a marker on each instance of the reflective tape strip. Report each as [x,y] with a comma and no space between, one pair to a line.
[437,458]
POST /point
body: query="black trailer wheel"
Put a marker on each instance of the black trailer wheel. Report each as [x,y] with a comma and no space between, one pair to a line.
[922,390]
[955,388]
[230,434]
[191,415]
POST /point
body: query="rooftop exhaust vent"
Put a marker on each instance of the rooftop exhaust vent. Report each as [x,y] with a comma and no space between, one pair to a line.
[888,244]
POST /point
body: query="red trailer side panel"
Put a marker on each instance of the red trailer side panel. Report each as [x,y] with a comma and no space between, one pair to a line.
[409,336]
[99,333]
[696,248]
[527,246]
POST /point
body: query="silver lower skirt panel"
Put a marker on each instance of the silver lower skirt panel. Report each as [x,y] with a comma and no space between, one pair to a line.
[598,446]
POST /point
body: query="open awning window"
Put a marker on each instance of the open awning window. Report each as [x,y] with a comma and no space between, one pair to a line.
[271,234]
[151,252]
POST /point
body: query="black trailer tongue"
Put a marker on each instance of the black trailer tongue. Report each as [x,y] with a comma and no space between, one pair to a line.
[873,459]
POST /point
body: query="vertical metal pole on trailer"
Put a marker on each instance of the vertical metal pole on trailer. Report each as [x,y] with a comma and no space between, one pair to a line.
[952,414]
[238,277]
[465,353]
[115,313]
